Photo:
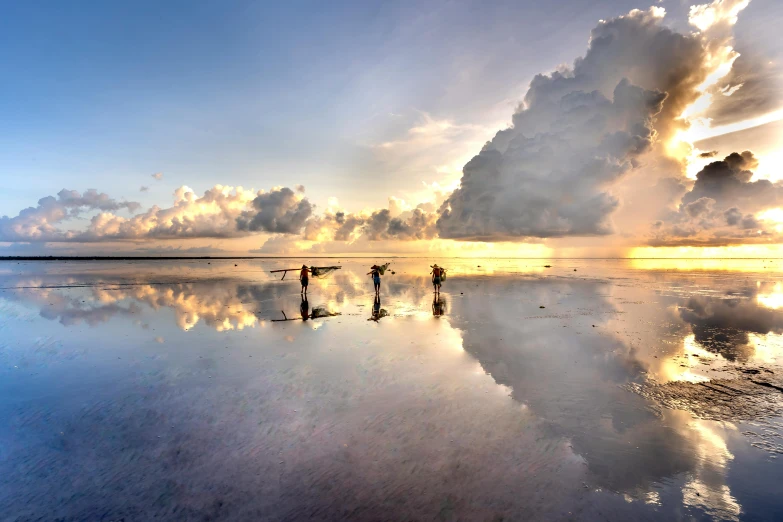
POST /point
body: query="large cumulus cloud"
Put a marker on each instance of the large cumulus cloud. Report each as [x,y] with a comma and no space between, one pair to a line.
[554,182]
[577,133]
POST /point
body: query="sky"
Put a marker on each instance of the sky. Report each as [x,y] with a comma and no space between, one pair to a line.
[583,128]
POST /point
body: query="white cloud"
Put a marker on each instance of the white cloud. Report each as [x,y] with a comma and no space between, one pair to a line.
[720,12]
[39,223]
[578,133]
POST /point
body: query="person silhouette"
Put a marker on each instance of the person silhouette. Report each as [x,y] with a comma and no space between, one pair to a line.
[375,272]
[304,278]
[437,273]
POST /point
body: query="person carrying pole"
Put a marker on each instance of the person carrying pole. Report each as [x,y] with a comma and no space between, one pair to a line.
[375,272]
[437,272]
[304,278]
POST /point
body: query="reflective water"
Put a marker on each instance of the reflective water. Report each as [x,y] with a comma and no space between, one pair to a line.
[594,389]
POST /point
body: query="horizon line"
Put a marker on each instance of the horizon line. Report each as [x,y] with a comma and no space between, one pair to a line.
[219,258]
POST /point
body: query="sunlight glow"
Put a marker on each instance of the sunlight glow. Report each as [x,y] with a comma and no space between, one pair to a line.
[720,61]
[701,129]
[767,349]
[773,214]
[772,299]
[770,165]
[733,257]
[671,369]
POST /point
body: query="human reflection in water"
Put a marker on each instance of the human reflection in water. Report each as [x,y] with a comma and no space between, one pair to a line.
[304,309]
[377,311]
[318,312]
[438,305]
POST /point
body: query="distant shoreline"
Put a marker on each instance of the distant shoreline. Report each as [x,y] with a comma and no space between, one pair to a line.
[228,258]
[139,258]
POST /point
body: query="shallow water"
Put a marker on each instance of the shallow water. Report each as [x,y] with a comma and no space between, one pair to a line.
[594,389]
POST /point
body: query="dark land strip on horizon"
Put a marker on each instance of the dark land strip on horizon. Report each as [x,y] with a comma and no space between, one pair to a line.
[227,258]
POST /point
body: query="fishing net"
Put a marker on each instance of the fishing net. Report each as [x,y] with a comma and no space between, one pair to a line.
[320,271]
[382,268]
[321,311]
[442,272]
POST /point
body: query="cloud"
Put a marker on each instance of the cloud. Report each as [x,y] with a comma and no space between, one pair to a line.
[212,215]
[578,134]
[38,223]
[280,211]
[753,88]
[722,207]
[179,250]
[158,176]
[719,13]
[397,222]
[411,225]
[35,249]
[553,182]
[424,147]
[598,140]
[279,245]
[221,212]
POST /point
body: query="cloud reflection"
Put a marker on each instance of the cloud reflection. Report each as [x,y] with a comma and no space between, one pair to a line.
[561,345]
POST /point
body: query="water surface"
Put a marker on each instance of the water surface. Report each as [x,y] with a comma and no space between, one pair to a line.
[208,390]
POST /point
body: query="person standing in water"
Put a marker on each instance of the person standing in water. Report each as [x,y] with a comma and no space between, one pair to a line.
[375,272]
[436,277]
[304,278]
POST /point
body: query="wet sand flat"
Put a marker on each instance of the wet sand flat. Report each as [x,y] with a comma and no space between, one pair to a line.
[209,390]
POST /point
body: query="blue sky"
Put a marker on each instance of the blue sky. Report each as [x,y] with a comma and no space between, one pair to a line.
[354,100]
[103,94]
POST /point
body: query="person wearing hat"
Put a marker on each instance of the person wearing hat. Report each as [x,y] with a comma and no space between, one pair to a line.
[375,272]
[436,277]
[304,278]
